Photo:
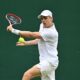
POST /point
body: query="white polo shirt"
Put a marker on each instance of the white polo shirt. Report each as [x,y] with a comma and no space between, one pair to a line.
[48,45]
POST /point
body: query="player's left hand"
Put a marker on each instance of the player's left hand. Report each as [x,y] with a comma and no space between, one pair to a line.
[21,43]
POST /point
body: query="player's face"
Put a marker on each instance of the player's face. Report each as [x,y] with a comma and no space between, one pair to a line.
[47,21]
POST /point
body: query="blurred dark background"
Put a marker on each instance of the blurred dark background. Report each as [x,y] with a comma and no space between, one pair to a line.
[14,61]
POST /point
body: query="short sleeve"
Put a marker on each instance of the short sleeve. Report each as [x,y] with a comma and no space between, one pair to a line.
[47,34]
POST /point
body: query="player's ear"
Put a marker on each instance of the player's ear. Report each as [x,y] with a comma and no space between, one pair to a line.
[51,18]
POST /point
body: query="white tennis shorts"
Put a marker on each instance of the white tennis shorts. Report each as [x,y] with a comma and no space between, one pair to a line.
[47,70]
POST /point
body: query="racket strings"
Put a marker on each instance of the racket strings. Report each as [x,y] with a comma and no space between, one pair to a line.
[13,19]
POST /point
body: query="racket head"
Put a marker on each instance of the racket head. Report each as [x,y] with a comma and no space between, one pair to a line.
[13,19]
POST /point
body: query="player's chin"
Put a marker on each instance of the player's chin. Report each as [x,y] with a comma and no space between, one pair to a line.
[44,24]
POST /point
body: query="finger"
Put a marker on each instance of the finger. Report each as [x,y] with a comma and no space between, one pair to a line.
[7,28]
[19,45]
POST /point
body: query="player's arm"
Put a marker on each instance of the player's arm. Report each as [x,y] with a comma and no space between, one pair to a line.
[31,42]
[28,34]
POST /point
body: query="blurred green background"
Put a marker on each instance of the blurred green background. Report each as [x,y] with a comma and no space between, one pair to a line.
[14,61]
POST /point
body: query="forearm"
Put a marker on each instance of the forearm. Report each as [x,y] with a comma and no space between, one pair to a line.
[32,42]
[21,33]
[28,34]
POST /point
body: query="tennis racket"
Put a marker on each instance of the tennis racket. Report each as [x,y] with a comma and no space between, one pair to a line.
[13,19]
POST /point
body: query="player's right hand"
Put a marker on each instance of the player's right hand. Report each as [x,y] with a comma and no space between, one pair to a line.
[9,28]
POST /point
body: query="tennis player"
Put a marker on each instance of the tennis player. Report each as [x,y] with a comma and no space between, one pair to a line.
[47,40]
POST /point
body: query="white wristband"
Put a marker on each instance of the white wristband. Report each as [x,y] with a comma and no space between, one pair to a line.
[15,31]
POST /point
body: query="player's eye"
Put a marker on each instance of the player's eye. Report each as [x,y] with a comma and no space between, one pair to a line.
[43,17]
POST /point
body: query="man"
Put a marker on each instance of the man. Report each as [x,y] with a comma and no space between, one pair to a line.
[47,40]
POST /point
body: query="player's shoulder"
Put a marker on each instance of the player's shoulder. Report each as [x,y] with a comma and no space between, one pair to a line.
[41,24]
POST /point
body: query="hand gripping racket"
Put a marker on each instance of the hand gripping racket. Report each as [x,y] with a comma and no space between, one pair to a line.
[13,19]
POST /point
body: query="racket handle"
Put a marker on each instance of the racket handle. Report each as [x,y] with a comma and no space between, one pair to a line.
[10,23]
